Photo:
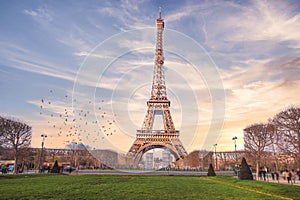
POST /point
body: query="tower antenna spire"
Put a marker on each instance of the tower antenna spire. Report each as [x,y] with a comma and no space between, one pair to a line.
[159,12]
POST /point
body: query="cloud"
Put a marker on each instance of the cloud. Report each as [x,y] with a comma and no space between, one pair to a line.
[3,71]
[128,14]
[267,21]
[18,57]
[41,15]
[42,69]
[262,88]
[287,65]
[178,15]
[100,56]
[67,28]
[261,21]
[257,90]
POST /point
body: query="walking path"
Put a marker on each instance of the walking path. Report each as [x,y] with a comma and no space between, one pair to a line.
[281,181]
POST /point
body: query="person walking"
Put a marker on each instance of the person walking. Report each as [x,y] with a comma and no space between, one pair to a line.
[277,176]
[298,173]
[287,175]
[293,176]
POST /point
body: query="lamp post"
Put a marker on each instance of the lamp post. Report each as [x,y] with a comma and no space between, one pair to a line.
[73,147]
[44,136]
[75,156]
[202,154]
[215,145]
[235,138]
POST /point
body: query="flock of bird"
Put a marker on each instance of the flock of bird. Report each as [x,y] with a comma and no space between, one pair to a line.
[89,125]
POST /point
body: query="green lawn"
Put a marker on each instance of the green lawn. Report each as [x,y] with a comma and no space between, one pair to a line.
[41,186]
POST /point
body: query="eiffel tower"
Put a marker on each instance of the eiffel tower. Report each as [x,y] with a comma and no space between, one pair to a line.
[158,108]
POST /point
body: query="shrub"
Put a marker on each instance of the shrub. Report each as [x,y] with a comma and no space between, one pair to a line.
[56,168]
[245,171]
[211,171]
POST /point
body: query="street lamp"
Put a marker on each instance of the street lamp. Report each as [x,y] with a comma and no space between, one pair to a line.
[74,154]
[215,145]
[202,154]
[235,138]
[44,136]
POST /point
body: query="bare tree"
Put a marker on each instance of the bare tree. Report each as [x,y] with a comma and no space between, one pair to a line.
[287,124]
[256,138]
[15,135]
[2,138]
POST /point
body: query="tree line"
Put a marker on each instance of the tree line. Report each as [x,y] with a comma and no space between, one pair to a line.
[280,137]
[15,142]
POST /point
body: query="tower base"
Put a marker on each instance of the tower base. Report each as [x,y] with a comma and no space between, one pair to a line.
[151,139]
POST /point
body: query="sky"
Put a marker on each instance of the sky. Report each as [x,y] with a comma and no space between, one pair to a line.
[81,71]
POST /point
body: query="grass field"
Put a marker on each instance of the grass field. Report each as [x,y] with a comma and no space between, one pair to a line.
[41,186]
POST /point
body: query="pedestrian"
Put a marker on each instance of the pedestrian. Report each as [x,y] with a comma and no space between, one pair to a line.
[293,176]
[265,173]
[277,176]
[260,174]
[273,176]
[282,174]
[287,175]
[298,173]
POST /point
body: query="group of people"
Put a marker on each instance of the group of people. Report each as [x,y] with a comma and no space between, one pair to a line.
[289,175]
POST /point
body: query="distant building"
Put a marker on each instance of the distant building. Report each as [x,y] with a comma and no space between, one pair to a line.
[166,158]
[149,162]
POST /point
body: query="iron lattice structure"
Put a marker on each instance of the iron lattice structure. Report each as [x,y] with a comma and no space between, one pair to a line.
[158,106]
